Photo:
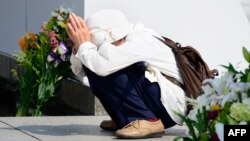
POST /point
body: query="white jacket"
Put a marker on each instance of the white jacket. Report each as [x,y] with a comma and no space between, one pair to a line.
[140,45]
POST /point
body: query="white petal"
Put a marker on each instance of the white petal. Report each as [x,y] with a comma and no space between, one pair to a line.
[219,129]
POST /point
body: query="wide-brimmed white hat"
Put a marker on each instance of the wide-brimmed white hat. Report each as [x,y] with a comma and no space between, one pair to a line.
[107,25]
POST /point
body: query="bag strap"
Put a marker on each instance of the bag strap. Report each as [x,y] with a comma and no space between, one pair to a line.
[169,42]
[174,45]
[173,80]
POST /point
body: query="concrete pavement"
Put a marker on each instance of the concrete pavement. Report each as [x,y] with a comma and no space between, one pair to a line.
[66,128]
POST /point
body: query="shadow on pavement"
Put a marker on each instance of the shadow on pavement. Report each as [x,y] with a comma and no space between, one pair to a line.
[65,130]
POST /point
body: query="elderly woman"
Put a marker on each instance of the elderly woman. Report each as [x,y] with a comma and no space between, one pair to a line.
[125,65]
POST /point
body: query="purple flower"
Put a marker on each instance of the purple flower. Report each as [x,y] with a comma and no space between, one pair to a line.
[214,137]
[213,114]
[51,57]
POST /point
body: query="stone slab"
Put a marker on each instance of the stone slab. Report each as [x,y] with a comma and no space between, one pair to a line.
[68,128]
[8,133]
[4,65]
[72,93]
[77,96]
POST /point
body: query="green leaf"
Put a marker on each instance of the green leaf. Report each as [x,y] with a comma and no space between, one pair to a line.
[190,126]
[204,137]
[248,92]
[37,111]
[202,120]
[230,68]
[248,77]
[246,54]
[50,89]
[177,138]
[223,117]
[227,106]
[41,91]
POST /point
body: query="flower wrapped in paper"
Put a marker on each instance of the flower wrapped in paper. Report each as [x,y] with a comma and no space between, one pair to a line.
[44,57]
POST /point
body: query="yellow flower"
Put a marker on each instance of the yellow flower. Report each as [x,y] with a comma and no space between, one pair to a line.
[215,107]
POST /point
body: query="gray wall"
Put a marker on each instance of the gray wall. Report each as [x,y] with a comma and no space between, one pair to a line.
[19,16]
[12,24]
[246,7]
[211,26]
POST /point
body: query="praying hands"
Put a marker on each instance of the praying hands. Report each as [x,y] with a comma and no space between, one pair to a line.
[77,31]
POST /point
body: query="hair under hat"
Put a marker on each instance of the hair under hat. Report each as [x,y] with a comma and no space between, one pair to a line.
[107,25]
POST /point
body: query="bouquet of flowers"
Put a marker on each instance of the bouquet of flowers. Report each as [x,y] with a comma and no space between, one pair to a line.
[226,101]
[45,59]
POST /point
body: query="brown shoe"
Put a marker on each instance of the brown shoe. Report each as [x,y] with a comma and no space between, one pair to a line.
[140,129]
[109,125]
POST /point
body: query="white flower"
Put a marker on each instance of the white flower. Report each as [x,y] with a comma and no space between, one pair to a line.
[64,10]
[207,89]
[243,123]
[216,99]
[232,96]
[244,95]
[54,14]
[51,57]
[192,114]
[218,86]
[221,85]
[219,129]
[238,75]
[62,49]
[246,101]
[239,87]
[59,18]
[202,100]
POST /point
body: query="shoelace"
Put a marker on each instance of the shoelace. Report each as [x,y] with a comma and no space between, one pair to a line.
[132,124]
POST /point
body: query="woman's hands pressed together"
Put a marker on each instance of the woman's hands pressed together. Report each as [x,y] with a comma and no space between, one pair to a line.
[77,31]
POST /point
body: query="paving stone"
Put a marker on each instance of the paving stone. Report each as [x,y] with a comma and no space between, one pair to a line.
[68,128]
[8,133]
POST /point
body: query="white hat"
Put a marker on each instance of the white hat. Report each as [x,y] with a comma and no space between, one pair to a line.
[107,25]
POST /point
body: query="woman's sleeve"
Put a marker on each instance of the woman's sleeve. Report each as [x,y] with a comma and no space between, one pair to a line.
[108,59]
[76,66]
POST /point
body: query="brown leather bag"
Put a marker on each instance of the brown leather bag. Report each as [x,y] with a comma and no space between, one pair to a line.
[192,67]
